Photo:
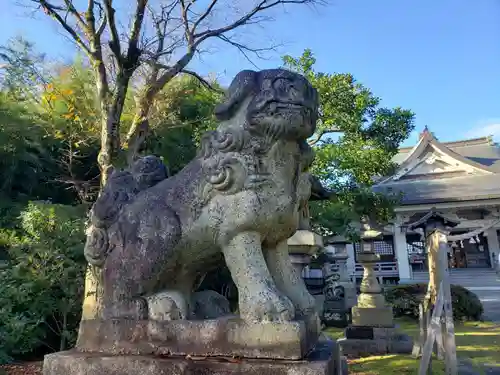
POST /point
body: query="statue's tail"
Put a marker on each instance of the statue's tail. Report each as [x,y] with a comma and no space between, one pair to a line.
[97,246]
[121,189]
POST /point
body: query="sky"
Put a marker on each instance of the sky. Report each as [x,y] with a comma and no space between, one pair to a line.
[440,59]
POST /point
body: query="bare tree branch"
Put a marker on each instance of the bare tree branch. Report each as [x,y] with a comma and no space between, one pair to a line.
[202,80]
[244,50]
[115,39]
[204,15]
[263,5]
[51,10]
[96,55]
[133,52]
[102,17]
[71,9]
[185,20]
[318,137]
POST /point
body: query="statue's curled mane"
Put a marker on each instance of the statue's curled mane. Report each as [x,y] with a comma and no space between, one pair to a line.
[121,189]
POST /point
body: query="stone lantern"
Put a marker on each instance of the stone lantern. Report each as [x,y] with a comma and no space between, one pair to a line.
[302,246]
[305,243]
[372,330]
[371,308]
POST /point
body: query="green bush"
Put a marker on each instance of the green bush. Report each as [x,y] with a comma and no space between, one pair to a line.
[41,285]
[405,301]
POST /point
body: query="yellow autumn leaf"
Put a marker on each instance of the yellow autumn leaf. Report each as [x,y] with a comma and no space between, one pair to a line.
[50,97]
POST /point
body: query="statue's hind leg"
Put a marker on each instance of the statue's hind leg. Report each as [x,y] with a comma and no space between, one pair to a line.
[132,271]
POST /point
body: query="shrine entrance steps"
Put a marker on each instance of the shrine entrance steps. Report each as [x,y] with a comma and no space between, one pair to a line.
[484,282]
[470,278]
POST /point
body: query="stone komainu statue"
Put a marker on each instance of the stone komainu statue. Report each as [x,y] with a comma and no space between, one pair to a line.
[238,199]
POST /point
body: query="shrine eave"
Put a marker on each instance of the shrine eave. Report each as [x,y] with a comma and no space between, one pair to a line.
[457,189]
[433,215]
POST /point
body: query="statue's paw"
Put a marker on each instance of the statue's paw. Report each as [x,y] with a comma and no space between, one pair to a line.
[167,305]
[268,306]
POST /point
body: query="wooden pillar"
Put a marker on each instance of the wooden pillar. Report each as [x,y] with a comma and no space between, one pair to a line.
[401,252]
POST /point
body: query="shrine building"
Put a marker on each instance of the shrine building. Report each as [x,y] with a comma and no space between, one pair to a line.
[461,179]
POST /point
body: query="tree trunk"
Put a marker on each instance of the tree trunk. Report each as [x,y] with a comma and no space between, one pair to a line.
[433,264]
[140,126]
[64,330]
[92,295]
[110,126]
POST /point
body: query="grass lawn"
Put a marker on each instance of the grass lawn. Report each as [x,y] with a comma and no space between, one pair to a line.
[477,341]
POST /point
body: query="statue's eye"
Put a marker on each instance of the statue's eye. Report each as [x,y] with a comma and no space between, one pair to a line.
[284,85]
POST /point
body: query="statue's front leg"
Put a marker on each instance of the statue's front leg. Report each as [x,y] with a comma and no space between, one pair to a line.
[288,280]
[259,298]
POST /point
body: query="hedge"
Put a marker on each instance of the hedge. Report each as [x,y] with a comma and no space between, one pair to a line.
[405,301]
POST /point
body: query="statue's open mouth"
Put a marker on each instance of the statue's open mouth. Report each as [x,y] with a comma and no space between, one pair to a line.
[259,177]
[294,106]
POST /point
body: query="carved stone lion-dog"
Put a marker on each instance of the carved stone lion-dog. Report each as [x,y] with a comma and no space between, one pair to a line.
[239,198]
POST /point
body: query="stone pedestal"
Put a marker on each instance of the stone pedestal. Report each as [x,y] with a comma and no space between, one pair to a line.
[367,341]
[323,360]
[222,346]
[225,336]
[372,330]
[225,345]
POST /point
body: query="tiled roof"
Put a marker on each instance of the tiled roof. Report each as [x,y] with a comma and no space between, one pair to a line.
[480,150]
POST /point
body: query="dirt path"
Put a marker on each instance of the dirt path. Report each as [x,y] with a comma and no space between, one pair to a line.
[29,368]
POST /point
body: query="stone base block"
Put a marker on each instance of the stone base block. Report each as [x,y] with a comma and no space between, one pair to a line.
[228,336]
[382,341]
[323,360]
[362,348]
[356,332]
[372,316]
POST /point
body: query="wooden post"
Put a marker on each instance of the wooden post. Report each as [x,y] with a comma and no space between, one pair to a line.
[417,347]
[432,246]
[440,348]
[439,331]
[444,334]
[434,327]
[449,329]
